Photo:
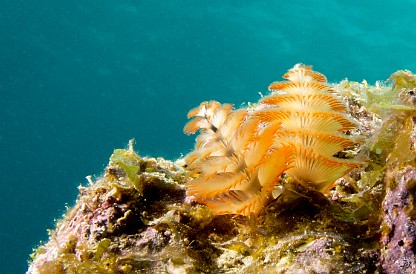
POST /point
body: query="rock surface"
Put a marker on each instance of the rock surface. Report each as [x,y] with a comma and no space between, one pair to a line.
[136,218]
[399,223]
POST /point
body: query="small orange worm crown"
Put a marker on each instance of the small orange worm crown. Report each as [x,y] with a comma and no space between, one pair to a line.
[240,155]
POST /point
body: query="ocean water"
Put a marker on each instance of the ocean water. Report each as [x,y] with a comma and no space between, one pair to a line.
[80,78]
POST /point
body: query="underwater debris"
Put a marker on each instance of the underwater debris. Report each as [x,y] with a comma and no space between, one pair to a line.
[240,155]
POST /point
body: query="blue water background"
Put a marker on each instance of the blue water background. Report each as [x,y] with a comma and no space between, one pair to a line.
[80,78]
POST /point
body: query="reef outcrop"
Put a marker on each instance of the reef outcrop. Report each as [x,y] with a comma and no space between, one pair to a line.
[137,218]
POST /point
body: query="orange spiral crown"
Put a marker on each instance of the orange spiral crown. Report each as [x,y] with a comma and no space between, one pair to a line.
[240,155]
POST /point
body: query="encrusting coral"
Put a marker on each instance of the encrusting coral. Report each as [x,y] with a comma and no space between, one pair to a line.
[240,155]
[140,217]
